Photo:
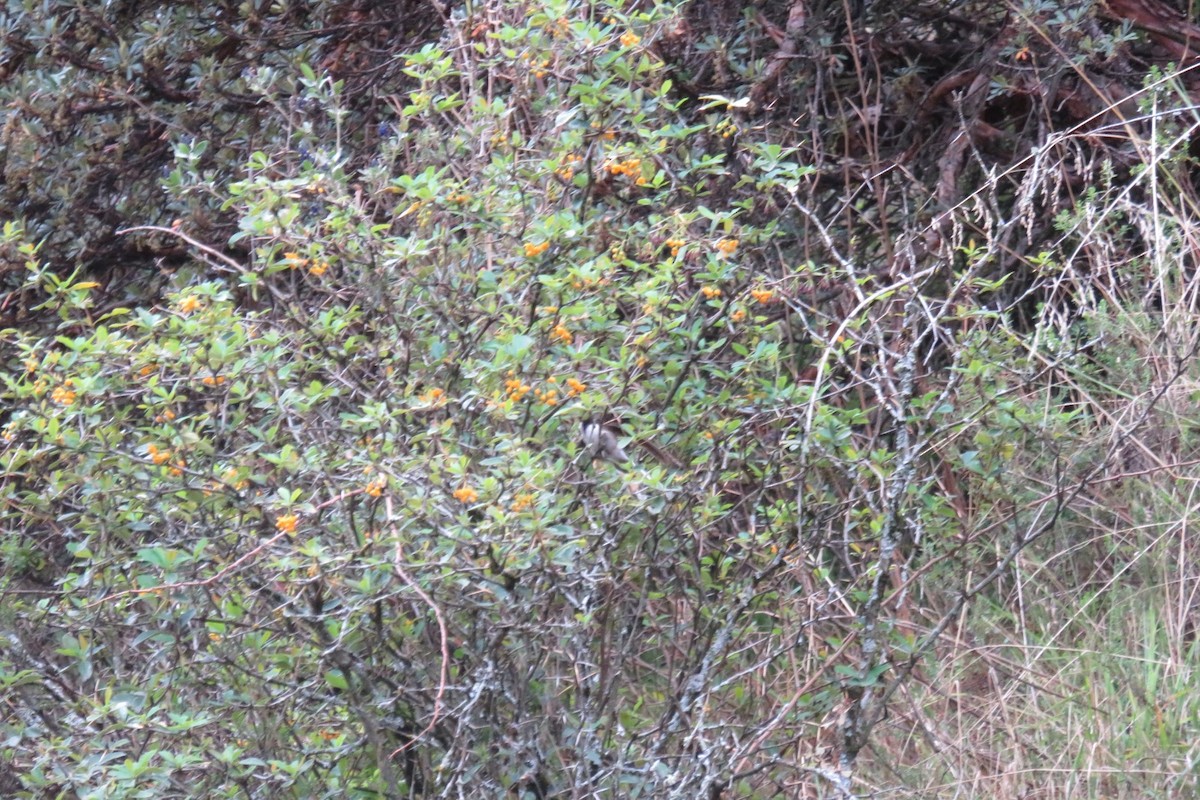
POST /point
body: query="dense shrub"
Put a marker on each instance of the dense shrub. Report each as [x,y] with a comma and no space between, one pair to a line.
[308,309]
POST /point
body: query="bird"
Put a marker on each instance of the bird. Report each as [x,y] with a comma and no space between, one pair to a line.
[602,441]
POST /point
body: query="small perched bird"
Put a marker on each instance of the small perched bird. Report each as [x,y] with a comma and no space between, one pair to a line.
[602,440]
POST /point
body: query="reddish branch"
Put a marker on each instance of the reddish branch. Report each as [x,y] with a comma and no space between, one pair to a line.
[1169,28]
[788,47]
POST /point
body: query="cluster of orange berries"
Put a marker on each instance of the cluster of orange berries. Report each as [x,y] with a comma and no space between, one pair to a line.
[296,261]
[375,487]
[231,477]
[538,67]
[534,250]
[160,457]
[467,495]
[432,396]
[213,380]
[629,39]
[630,167]
[761,296]
[727,246]
[515,389]
[726,128]
[567,170]
[287,523]
[710,292]
[64,395]
[562,334]
[559,28]
[189,304]
[673,244]
[550,396]
[588,283]
[608,134]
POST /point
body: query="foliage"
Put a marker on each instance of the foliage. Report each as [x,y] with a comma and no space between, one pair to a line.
[306,514]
